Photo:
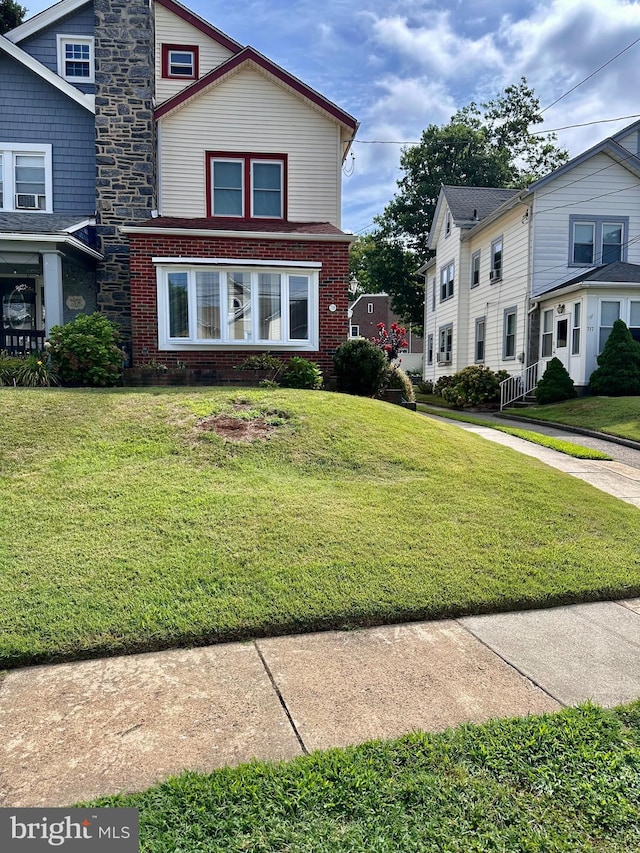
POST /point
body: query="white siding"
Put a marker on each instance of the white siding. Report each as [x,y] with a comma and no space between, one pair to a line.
[631,142]
[170,29]
[249,112]
[598,187]
[490,299]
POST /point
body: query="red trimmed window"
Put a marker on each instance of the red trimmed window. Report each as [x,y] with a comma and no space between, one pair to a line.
[180,61]
[247,186]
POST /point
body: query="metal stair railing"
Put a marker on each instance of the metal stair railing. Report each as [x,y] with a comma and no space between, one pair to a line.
[518,386]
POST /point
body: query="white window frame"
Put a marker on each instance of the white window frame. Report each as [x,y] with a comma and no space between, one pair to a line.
[171,63]
[576,325]
[481,323]
[8,152]
[63,41]
[546,334]
[475,269]
[165,266]
[369,307]
[506,335]
[252,193]
[447,281]
[354,331]
[496,271]
[620,304]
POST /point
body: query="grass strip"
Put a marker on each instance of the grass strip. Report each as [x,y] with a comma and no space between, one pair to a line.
[554,783]
[619,416]
[576,450]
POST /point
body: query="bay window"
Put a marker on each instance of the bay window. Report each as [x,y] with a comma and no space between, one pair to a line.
[609,313]
[247,185]
[226,305]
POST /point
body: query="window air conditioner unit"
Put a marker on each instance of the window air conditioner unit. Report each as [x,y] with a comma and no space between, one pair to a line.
[444,358]
[28,201]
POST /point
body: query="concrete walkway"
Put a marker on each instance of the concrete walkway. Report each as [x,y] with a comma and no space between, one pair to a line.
[76,731]
[620,478]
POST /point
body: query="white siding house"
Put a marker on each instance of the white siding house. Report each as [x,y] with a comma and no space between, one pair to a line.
[568,248]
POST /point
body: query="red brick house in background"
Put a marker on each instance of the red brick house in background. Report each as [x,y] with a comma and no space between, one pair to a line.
[245,253]
[368,310]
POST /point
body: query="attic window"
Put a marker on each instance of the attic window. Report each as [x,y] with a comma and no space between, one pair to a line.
[75,58]
[447,224]
[180,61]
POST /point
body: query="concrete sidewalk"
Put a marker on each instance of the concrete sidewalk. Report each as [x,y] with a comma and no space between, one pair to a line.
[76,731]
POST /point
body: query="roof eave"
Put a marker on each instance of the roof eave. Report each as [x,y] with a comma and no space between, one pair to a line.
[44,19]
[297,236]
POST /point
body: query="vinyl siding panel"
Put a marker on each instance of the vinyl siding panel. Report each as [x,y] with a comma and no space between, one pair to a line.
[631,142]
[490,299]
[170,29]
[248,112]
[43,46]
[598,187]
[33,111]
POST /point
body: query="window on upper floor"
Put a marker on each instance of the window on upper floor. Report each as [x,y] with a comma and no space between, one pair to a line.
[247,185]
[495,273]
[225,304]
[25,177]
[180,61]
[597,240]
[75,58]
[447,276]
[475,269]
[369,307]
[447,223]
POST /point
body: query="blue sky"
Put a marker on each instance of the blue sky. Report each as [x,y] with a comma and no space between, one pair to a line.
[400,65]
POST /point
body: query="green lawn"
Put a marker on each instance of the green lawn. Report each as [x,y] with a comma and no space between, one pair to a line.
[614,415]
[124,526]
[552,784]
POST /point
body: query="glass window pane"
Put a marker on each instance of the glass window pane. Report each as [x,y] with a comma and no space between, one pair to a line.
[610,312]
[30,174]
[634,313]
[266,176]
[239,306]
[269,307]
[227,188]
[611,243]
[299,307]
[267,189]
[208,300]
[583,239]
[178,305]
[563,326]
[547,321]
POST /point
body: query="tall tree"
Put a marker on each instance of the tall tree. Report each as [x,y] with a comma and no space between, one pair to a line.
[11,15]
[487,145]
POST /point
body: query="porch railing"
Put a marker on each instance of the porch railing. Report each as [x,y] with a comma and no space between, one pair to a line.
[518,386]
[21,341]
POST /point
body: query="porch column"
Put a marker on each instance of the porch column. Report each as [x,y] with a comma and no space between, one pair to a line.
[52,272]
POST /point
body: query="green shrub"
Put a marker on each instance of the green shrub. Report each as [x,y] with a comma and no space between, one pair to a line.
[397,378]
[360,367]
[555,385]
[472,386]
[31,370]
[441,383]
[618,374]
[86,352]
[301,373]
[425,387]
[261,361]
[9,366]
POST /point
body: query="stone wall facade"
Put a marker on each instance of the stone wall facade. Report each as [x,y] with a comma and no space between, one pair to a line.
[125,142]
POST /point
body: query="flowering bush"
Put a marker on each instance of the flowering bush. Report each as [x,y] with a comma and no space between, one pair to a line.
[390,340]
[473,386]
[86,352]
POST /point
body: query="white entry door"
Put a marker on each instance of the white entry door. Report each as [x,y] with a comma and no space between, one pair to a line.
[562,340]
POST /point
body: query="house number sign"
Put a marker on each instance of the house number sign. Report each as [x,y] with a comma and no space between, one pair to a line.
[76,303]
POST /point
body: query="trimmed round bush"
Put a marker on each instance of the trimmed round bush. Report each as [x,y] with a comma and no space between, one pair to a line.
[618,374]
[472,386]
[86,352]
[301,373]
[555,385]
[360,367]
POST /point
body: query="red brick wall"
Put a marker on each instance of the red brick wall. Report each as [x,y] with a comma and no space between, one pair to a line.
[333,289]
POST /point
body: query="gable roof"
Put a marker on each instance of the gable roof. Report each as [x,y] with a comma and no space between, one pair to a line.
[44,19]
[250,57]
[608,146]
[202,25]
[468,206]
[86,101]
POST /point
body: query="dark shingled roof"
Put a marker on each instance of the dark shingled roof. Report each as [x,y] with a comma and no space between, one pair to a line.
[219,223]
[40,223]
[618,272]
[469,205]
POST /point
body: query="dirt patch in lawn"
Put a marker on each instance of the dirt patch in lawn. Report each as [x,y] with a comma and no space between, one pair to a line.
[237,429]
